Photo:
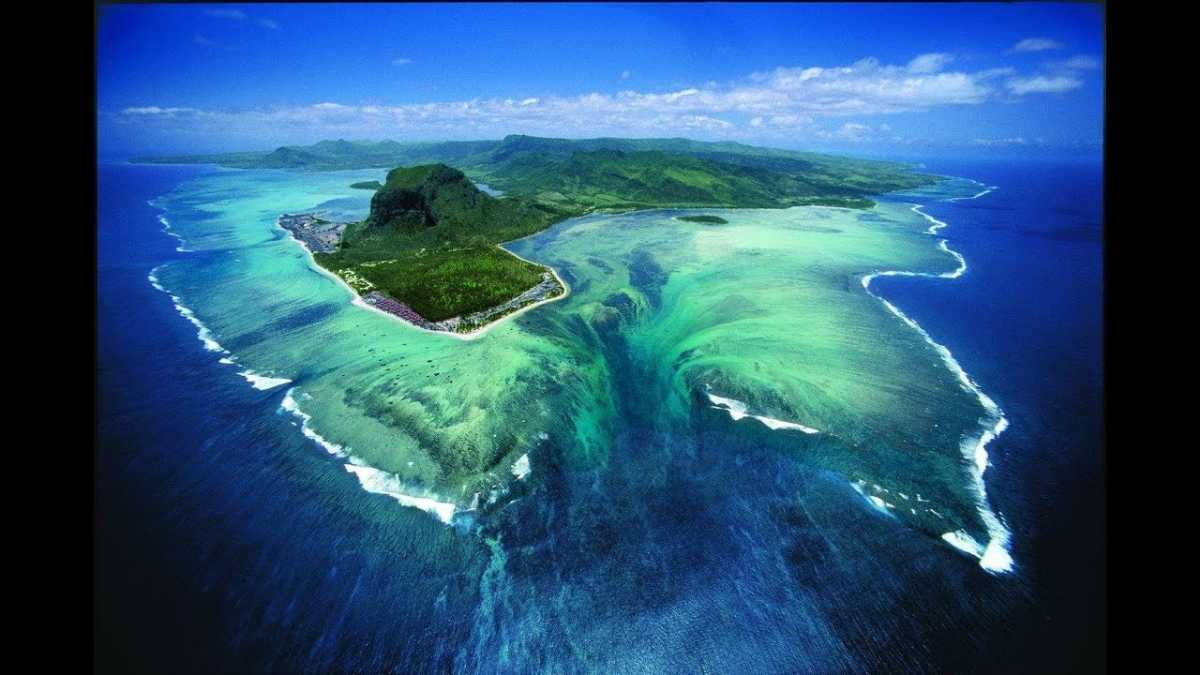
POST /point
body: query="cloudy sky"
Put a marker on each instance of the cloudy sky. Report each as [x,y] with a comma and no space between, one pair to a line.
[868,79]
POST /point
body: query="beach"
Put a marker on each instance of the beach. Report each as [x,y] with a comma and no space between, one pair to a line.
[550,289]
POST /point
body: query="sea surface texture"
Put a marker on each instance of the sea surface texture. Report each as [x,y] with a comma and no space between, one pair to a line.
[809,440]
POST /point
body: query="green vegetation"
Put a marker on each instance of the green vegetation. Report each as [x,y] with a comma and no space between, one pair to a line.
[614,173]
[445,283]
[716,220]
[680,173]
[367,185]
[337,155]
[436,206]
[430,242]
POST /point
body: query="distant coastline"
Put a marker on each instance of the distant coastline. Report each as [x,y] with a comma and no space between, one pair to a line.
[427,253]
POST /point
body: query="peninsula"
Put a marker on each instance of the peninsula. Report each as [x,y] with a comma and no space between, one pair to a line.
[429,252]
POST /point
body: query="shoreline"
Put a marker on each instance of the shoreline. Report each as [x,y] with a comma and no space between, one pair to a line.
[995,557]
[370,479]
[483,330]
[466,337]
[255,379]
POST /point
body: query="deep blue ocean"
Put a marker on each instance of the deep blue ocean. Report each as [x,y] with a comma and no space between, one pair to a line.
[225,541]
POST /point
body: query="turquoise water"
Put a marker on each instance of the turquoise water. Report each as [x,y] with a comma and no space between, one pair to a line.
[763,316]
[720,451]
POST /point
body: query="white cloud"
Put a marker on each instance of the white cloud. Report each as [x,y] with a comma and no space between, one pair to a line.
[1017,140]
[692,122]
[786,101]
[929,63]
[155,110]
[853,131]
[238,15]
[1042,84]
[401,61]
[1035,44]
[995,72]
[867,87]
[234,14]
[675,96]
[625,74]
[787,120]
[1080,62]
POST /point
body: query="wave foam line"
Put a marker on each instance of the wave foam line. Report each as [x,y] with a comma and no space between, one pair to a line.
[262,382]
[202,331]
[738,409]
[166,227]
[256,380]
[289,405]
[876,503]
[521,467]
[371,479]
[986,189]
[994,557]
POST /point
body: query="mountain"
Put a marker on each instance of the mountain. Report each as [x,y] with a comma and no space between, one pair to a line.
[430,242]
[616,179]
[336,155]
[613,172]
[437,205]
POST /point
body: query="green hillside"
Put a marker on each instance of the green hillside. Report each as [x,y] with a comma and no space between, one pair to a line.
[430,242]
[431,239]
[616,179]
[613,172]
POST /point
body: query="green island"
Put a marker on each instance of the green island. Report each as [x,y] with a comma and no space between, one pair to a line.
[367,185]
[713,220]
[429,251]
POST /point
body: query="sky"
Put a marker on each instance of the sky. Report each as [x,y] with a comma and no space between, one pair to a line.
[866,79]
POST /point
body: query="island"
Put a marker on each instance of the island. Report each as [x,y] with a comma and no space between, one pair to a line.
[674,314]
[430,250]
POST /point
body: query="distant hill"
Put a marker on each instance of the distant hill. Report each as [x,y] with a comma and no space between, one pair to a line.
[616,179]
[612,172]
[337,155]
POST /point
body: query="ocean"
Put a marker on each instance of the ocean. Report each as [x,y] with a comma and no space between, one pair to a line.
[255,487]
